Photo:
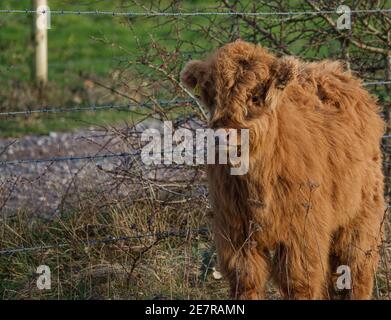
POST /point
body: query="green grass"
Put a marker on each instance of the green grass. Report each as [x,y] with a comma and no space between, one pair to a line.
[17,127]
[79,48]
[76,43]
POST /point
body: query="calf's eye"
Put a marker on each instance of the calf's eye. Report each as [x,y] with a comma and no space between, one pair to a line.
[255,99]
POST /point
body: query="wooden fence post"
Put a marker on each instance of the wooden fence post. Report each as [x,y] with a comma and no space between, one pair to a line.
[41,42]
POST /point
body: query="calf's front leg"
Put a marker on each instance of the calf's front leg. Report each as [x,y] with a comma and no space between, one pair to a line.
[242,262]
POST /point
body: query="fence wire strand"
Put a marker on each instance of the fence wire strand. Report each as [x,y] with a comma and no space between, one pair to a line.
[163,103]
[64,159]
[108,240]
[187,14]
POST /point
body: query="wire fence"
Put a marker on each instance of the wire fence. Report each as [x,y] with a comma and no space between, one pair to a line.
[81,62]
[188,14]
[93,242]
[63,159]
[87,157]
[110,240]
[127,107]
[375,83]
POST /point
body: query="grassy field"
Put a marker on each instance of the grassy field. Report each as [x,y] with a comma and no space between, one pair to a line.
[75,43]
[80,48]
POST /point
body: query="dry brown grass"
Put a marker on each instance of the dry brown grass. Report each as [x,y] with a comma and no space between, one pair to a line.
[146,268]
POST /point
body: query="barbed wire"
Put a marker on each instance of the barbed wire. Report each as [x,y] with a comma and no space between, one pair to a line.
[187,14]
[175,102]
[87,157]
[113,59]
[64,159]
[94,242]
[375,83]
[82,158]
[131,106]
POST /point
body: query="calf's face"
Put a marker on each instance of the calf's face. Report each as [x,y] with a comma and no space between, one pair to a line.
[240,84]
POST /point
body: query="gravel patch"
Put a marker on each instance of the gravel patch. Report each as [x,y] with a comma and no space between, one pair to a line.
[48,188]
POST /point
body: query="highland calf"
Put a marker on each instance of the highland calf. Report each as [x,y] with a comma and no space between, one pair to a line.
[312,199]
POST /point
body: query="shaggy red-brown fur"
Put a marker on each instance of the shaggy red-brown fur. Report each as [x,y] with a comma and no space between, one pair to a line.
[314,191]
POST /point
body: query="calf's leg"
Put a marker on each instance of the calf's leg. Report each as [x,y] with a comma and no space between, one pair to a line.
[243,263]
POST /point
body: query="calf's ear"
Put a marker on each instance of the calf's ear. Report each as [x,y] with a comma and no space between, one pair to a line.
[192,74]
[284,72]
